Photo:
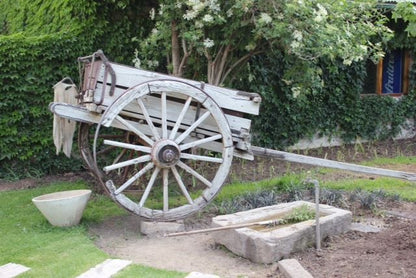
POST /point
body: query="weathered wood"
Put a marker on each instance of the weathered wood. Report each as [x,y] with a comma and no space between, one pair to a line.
[167,153]
[234,100]
[235,226]
[81,114]
[285,156]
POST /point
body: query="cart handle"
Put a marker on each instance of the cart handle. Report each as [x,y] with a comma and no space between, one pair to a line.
[108,69]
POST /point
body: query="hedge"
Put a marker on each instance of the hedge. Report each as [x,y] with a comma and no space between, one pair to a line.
[30,66]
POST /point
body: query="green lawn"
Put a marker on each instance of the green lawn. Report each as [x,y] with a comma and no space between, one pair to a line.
[27,238]
[403,188]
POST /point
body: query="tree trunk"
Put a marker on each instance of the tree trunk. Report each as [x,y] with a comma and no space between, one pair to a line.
[176,51]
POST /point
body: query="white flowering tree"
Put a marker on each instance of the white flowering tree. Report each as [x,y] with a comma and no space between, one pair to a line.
[222,35]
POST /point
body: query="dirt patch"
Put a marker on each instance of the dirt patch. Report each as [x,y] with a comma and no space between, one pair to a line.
[120,237]
[389,253]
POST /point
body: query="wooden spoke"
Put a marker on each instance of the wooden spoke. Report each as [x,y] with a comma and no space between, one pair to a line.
[149,187]
[137,160]
[148,119]
[156,120]
[201,158]
[181,185]
[180,118]
[194,173]
[135,130]
[165,173]
[199,142]
[134,178]
[128,146]
[192,127]
[164,116]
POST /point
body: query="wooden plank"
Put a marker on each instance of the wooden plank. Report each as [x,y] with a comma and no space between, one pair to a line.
[81,114]
[285,156]
[12,270]
[153,105]
[274,222]
[106,269]
[226,98]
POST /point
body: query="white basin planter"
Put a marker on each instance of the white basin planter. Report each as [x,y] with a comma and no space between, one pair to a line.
[65,208]
[267,245]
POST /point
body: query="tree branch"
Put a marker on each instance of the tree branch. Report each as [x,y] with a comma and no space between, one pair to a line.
[184,58]
[240,61]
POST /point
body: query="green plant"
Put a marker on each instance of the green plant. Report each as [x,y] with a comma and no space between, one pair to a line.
[40,42]
[299,214]
[249,200]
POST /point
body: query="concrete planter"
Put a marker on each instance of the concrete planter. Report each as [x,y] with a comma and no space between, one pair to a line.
[267,245]
[65,208]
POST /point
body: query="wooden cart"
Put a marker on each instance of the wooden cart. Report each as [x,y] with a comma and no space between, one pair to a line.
[149,137]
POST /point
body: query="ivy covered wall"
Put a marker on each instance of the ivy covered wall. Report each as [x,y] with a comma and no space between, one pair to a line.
[39,44]
[337,109]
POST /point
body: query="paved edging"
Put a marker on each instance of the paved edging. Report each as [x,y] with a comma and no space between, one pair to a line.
[105,269]
[291,268]
[12,270]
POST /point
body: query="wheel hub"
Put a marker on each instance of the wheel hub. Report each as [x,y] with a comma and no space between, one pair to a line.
[165,153]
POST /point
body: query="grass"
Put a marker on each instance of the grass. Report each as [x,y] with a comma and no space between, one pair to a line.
[27,238]
[282,183]
[405,189]
[290,182]
[392,186]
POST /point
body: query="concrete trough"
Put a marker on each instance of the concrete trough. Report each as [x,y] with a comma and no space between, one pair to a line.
[270,244]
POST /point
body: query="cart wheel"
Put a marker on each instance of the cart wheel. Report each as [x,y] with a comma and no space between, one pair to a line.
[176,152]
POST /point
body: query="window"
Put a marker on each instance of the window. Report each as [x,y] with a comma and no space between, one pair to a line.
[390,76]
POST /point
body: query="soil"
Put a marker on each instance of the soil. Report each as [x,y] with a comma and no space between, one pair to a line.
[388,253]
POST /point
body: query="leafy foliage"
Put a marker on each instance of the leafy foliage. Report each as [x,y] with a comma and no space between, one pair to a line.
[332,105]
[39,45]
[194,34]
[299,214]
[30,67]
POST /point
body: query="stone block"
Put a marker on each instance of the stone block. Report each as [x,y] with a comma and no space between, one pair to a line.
[272,244]
[291,268]
[161,228]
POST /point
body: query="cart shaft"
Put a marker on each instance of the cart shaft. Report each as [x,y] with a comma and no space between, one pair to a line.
[291,157]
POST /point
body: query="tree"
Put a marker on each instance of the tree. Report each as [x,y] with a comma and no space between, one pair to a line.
[407,12]
[223,35]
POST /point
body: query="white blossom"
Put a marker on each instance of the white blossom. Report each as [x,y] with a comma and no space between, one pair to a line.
[208,43]
[320,14]
[214,6]
[199,24]
[136,60]
[295,44]
[229,13]
[152,63]
[265,18]
[190,14]
[297,35]
[208,18]
[295,91]
[152,13]
[251,46]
